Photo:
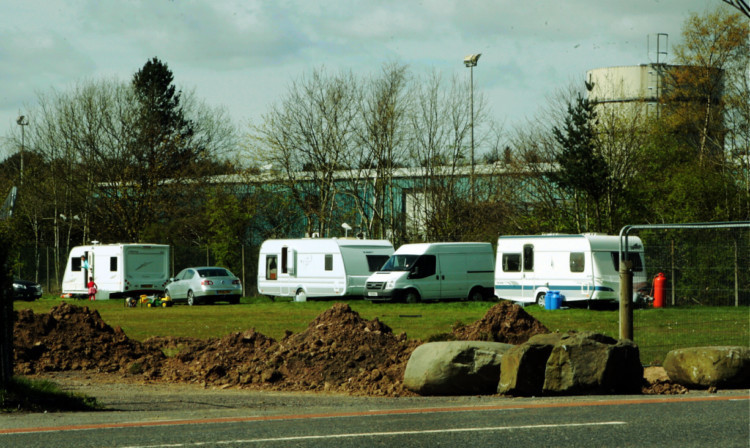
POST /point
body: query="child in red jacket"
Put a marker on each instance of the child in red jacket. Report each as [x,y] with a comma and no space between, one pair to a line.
[92,288]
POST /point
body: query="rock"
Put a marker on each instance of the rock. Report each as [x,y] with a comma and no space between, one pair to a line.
[582,363]
[705,367]
[455,368]
[522,369]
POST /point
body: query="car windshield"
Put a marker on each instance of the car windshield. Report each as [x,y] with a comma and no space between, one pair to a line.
[214,272]
[399,263]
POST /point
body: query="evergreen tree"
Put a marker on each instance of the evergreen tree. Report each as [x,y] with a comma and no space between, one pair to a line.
[163,137]
[581,170]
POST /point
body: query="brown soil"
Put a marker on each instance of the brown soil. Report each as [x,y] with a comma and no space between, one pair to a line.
[338,352]
[504,322]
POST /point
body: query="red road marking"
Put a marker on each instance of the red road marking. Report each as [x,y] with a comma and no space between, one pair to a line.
[623,401]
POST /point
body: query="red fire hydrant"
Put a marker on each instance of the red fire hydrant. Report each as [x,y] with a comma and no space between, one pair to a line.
[659,282]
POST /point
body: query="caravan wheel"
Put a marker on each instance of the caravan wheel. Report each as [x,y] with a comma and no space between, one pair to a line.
[300,296]
[540,299]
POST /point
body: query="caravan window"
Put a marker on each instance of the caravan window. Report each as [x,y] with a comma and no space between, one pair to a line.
[112,264]
[375,262]
[423,267]
[511,262]
[577,262]
[75,264]
[528,257]
[284,263]
[635,260]
[271,267]
[329,262]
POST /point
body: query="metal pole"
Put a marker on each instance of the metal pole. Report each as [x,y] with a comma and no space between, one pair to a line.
[626,302]
[471,69]
[23,122]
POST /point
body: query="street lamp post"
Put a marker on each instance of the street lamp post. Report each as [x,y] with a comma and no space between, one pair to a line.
[23,122]
[470,61]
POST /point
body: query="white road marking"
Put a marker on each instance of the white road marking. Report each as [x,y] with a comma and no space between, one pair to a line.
[375,434]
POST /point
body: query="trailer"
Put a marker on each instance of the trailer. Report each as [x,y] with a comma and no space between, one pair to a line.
[582,267]
[119,270]
[319,267]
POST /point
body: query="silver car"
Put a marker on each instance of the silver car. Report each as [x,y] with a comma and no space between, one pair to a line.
[208,284]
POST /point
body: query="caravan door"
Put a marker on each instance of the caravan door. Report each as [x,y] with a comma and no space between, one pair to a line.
[528,277]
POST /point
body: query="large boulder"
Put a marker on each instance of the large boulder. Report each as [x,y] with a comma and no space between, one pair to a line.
[591,363]
[704,367]
[523,367]
[455,368]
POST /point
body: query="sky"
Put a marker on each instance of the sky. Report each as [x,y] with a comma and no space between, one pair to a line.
[242,55]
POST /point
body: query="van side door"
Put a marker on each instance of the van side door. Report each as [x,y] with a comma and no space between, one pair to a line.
[426,276]
[453,276]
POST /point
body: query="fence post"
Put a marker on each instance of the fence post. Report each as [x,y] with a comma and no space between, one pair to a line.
[626,299]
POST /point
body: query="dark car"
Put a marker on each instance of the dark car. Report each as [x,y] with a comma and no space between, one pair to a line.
[26,290]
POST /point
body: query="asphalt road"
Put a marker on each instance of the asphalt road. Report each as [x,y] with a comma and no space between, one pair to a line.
[211,418]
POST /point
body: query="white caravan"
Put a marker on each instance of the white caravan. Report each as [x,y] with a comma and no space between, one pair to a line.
[433,271]
[319,267]
[119,270]
[582,267]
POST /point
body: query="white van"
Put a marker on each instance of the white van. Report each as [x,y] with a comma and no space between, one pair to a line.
[433,271]
[319,267]
[583,267]
[119,270]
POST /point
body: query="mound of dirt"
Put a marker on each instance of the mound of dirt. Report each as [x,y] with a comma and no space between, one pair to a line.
[339,351]
[505,322]
[74,338]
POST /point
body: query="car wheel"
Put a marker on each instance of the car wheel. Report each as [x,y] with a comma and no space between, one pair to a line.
[191,298]
[476,295]
[412,296]
[234,300]
[540,299]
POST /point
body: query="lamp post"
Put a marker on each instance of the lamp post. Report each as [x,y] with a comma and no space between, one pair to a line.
[22,121]
[470,61]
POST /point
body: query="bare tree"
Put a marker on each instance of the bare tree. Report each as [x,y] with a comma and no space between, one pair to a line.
[307,137]
[381,149]
[440,129]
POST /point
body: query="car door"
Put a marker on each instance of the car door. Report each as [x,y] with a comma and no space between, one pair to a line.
[180,286]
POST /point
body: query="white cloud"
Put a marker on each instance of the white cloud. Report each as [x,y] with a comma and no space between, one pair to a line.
[243,54]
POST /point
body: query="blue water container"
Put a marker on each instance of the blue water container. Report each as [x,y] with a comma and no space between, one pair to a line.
[551,300]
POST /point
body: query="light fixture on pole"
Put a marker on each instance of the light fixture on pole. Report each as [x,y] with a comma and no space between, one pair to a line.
[470,61]
[22,121]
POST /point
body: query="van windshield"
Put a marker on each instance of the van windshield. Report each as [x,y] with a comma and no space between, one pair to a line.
[399,263]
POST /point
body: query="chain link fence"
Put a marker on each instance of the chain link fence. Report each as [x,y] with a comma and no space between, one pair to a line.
[706,292]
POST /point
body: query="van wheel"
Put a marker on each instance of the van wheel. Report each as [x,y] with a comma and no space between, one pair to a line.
[476,295]
[190,298]
[412,297]
[540,299]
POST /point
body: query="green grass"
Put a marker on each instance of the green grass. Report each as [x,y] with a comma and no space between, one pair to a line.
[656,331]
